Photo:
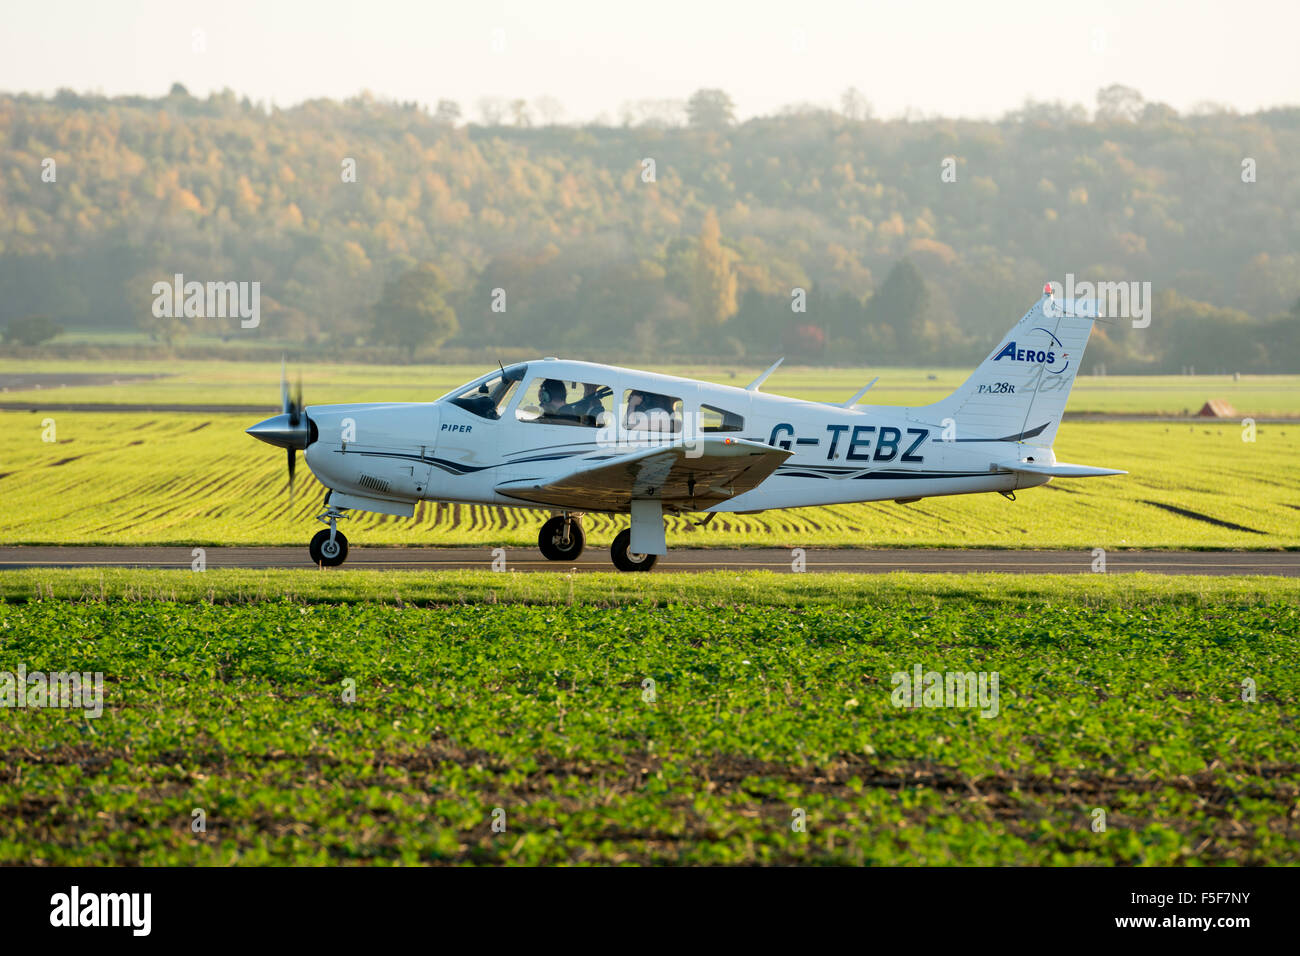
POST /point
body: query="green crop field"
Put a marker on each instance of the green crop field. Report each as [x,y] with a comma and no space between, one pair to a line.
[197,479]
[682,722]
[188,382]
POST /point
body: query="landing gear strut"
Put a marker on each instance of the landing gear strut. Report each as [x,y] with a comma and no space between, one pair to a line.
[329,548]
[561,538]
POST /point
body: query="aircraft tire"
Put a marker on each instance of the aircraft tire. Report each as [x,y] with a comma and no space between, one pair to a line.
[550,540]
[324,553]
[626,560]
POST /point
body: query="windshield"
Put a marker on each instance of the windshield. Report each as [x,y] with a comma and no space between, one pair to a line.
[487,397]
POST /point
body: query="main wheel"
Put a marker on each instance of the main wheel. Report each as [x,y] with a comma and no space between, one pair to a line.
[327,552]
[551,539]
[626,560]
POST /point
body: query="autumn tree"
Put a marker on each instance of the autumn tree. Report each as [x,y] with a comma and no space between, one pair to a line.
[805,340]
[710,109]
[907,318]
[713,281]
[854,105]
[492,110]
[519,114]
[447,112]
[549,109]
[901,299]
[1119,102]
[412,312]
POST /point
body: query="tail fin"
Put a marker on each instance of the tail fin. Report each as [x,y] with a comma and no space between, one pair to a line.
[1019,392]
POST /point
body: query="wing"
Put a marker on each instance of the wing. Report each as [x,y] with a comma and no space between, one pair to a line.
[684,476]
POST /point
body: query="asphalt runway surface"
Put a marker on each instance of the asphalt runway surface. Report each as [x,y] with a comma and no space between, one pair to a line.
[817,560]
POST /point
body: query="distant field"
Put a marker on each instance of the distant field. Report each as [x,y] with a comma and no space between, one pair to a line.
[1115,696]
[197,479]
[252,383]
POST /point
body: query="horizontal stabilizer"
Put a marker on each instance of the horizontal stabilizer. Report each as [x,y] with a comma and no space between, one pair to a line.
[1061,469]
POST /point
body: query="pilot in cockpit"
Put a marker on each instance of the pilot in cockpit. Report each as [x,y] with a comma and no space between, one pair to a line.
[552,396]
[554,408]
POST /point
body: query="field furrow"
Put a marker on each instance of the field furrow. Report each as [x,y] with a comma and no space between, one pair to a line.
[1198,487]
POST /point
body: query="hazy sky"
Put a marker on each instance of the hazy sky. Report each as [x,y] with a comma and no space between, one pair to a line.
[954,57]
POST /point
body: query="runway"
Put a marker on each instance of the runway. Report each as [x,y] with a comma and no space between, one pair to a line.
[819,560]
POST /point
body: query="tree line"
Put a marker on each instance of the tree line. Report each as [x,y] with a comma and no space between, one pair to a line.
[829,235]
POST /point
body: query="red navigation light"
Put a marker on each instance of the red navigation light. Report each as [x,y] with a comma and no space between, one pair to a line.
[1047,288]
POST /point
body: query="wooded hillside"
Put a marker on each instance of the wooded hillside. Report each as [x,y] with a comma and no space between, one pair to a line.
[379,223]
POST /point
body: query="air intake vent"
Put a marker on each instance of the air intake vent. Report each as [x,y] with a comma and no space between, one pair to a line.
[374,484]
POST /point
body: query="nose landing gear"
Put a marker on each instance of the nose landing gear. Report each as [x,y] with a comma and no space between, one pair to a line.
[329,548]
[561,538]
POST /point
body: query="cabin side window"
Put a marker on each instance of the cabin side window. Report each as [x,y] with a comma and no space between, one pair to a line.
[553,401]
[714,419]
[652,412]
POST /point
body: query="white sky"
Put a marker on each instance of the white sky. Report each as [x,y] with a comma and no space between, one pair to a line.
[952,57]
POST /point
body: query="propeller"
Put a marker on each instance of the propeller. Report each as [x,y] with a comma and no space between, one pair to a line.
[291,429]
[292,406]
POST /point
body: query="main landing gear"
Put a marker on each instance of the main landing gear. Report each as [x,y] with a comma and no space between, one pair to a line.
[626,560]
[329,548]
[561,538]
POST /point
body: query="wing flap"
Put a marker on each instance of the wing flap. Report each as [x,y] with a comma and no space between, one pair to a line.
[685,476]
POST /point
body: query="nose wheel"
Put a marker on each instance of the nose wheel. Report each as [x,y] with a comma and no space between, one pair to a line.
[329,552]
[329,548]
[561,539]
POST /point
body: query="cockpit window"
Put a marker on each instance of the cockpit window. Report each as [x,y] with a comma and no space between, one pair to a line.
[490,396]
[552,401]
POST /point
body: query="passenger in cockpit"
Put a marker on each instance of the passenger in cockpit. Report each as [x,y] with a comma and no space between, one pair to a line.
[636,416]
[589,408]
[647,411]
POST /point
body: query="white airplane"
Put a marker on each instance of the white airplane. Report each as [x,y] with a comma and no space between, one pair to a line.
[579,437]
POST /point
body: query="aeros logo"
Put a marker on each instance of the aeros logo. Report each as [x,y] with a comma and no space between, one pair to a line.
[1048,357]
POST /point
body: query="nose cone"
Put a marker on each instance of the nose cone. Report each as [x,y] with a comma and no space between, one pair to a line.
[279,431]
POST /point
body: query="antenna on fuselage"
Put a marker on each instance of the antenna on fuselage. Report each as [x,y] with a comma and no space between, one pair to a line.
[753,386]
[866,388]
